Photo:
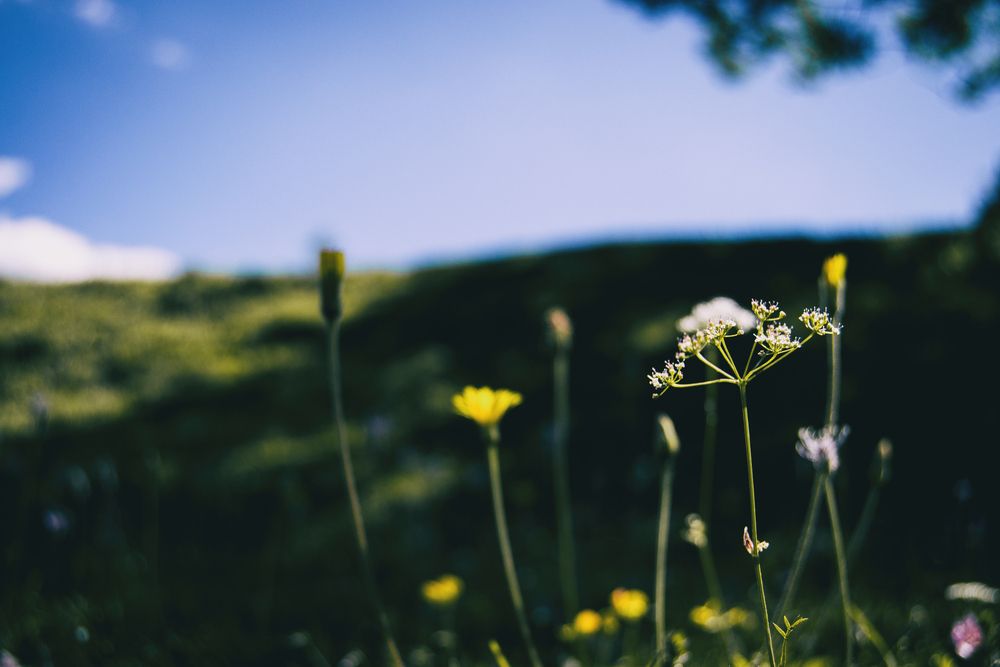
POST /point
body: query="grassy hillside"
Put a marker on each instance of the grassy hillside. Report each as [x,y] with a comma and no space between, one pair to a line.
[181,431]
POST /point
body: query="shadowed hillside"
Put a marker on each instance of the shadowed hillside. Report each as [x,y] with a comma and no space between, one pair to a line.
[171,487]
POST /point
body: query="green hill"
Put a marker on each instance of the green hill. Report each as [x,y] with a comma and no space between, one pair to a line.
[181,431]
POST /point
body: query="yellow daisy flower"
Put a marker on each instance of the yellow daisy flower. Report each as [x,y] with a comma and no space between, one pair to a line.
[484,405]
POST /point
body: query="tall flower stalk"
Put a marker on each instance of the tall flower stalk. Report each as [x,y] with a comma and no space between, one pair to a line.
[487,407]
[561,334]
[773,342]
[667,435]
[331,273]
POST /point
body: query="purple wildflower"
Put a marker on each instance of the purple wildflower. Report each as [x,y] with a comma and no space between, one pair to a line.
[967,636]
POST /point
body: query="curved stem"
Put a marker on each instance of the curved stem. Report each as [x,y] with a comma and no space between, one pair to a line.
[493,455]
[564,515]
[838,545]
[753,523]
[666,490]
[361,536]
[724,350]
[803,546]
[715,368]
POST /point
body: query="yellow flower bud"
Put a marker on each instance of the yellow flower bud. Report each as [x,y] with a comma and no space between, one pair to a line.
[630,605]
[443,591]
[331,276]
[834,269]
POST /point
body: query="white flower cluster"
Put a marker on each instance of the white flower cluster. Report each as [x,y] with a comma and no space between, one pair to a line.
[711,334]
[777,338]
[819,322]
[714,310]
[695,531]
[672,373]
[821,446]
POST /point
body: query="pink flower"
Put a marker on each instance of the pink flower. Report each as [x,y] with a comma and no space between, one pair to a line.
[966,635]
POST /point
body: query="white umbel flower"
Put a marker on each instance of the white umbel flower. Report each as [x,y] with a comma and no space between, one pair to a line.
[720,308]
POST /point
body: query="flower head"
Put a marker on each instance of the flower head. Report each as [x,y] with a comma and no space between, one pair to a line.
[630,605]
[695,531]
[834,269]
[331,276]
[560,326]
[588,622]
[821,446]
[670,376]
[819,322]
[719,308]
[967,636]
[484,405]
[766,311]
[443,591]
[777,338]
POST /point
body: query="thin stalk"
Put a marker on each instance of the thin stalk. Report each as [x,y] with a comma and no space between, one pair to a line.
[803,546]
[666,492]
[630,643]
[708,454]
[833,400]
[838,544]
[361,536]
[493,455]
[753,522]
[564,514]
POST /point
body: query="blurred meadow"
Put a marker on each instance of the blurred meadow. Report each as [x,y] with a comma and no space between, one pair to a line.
[505,419]
[172,492]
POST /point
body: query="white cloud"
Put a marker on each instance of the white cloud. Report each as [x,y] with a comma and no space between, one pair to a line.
[39,250]
[98,13]
[14,174]
[169,54]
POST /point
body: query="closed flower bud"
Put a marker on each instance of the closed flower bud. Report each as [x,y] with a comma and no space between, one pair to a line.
[560,327]
[331,277]
[667,434]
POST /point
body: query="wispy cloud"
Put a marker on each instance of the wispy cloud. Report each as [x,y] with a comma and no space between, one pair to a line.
[39,250]
[97,13]
[169,54]
[14,174]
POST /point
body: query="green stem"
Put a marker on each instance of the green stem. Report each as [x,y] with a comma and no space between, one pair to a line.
[333,336]
[666,490]
[833,400]
[493,455]
[564,515]
[708,454]
[803,546]
[753,522]
[860,533]
[838,544]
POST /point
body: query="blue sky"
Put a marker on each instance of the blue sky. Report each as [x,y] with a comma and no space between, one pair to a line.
[240,135]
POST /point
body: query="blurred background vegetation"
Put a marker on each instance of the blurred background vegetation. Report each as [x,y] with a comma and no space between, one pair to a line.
[171,492]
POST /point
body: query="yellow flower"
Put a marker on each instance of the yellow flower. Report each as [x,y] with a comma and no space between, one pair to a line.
[711,618]
[484,405]
[630,605]
[443,591]
[834,269]
[587,623]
